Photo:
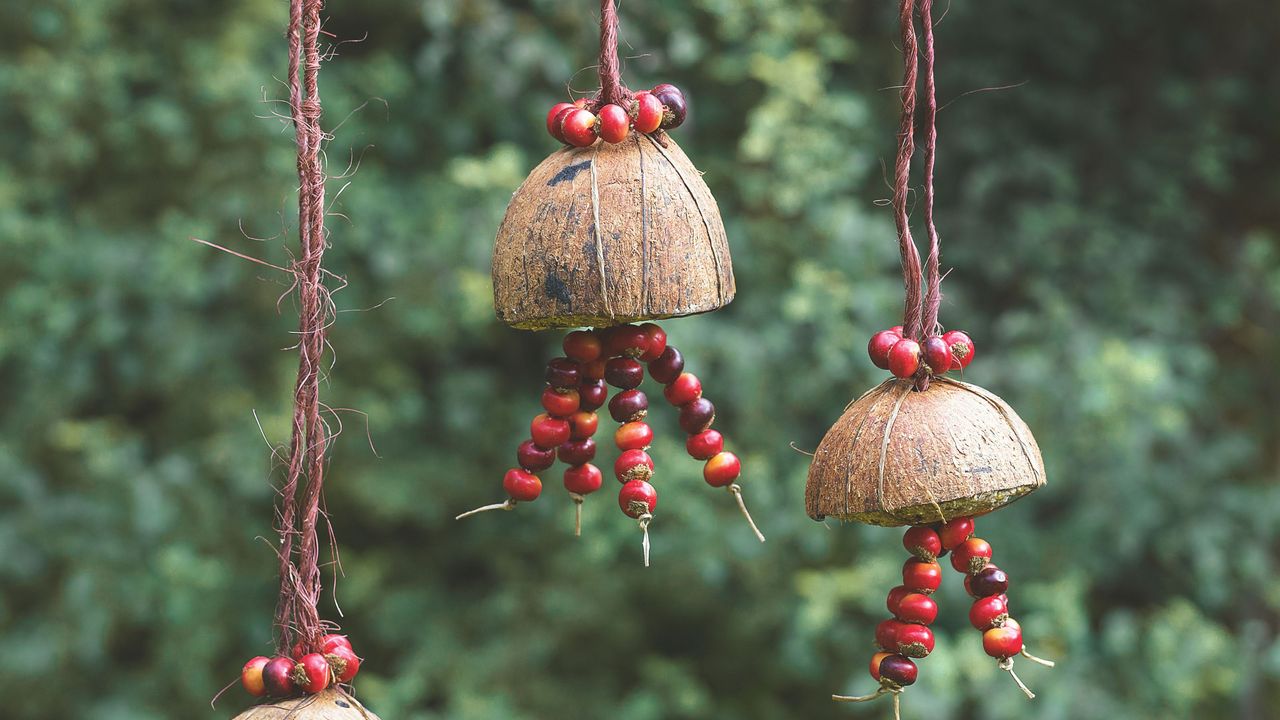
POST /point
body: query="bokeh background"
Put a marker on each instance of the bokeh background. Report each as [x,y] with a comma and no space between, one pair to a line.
[1112,223]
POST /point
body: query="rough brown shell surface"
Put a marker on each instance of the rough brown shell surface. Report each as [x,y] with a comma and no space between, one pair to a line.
[901,457]
[331,704]
[610,234]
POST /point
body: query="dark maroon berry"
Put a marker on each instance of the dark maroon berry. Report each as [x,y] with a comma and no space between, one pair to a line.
[667,366]
[674,106]
[937,355]
[898,670]
[533,458]
[577,452]
[989,581]
[563,373]
[697,415]
[624,372]
[592,394]
[629,406]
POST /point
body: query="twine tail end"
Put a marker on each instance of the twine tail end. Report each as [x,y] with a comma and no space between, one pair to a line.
[736,490]
[509,504]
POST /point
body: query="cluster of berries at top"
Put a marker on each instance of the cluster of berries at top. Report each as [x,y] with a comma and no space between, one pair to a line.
[581,122]
[906,358]
[309,669]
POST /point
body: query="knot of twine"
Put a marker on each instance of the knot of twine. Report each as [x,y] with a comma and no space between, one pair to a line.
[297,617]
[920,311]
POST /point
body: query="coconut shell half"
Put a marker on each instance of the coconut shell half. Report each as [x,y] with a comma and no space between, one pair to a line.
[610,234]
[901,457]
[331,704]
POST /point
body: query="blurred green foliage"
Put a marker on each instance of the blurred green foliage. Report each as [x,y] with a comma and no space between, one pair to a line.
[1112,222]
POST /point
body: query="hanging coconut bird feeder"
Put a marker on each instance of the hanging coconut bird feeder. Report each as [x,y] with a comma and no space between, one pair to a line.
[921,449]
[616,227]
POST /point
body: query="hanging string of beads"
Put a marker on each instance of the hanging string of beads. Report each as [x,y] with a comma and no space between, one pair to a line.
[577,385]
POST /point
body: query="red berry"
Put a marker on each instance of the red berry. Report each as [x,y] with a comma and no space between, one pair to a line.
[896,330]
[549,432]
[594,370]
[637,497]
[722,470]
[705,445]
[592,394]
[887,634]
[955,532]
[685,388]
[312,673]
[674,106]
[629,406]
[626,340]
[333,640]
[914,640]
[560,403]
[251,676]
[299,649]
[578,127]
[961,349]
[577,452]
[633,436]
[522,486]
[875,664]
[1004,641]
[633,465]
[697,415]
[895,597]
[937,355]
[582,102]
[923,542]
[655,342]
[614,124]
[989,581]
[971,556]
[904,358]
[879,346]
[898,670]
[648,112]
[583,479]
[563,373]
[277,676]
[528,456]
[917,608]
[583,345]
[986,611]
[344,661]
[583,425]
[624,372]
[667,366]
[922,575]
[553,117]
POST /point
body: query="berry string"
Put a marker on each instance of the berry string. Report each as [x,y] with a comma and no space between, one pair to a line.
[933,281]
[612,91]
[296,611]
[911,316]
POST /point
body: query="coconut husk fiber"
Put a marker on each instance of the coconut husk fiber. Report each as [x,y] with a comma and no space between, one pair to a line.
[609,234]
[898,456]
[330,704]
